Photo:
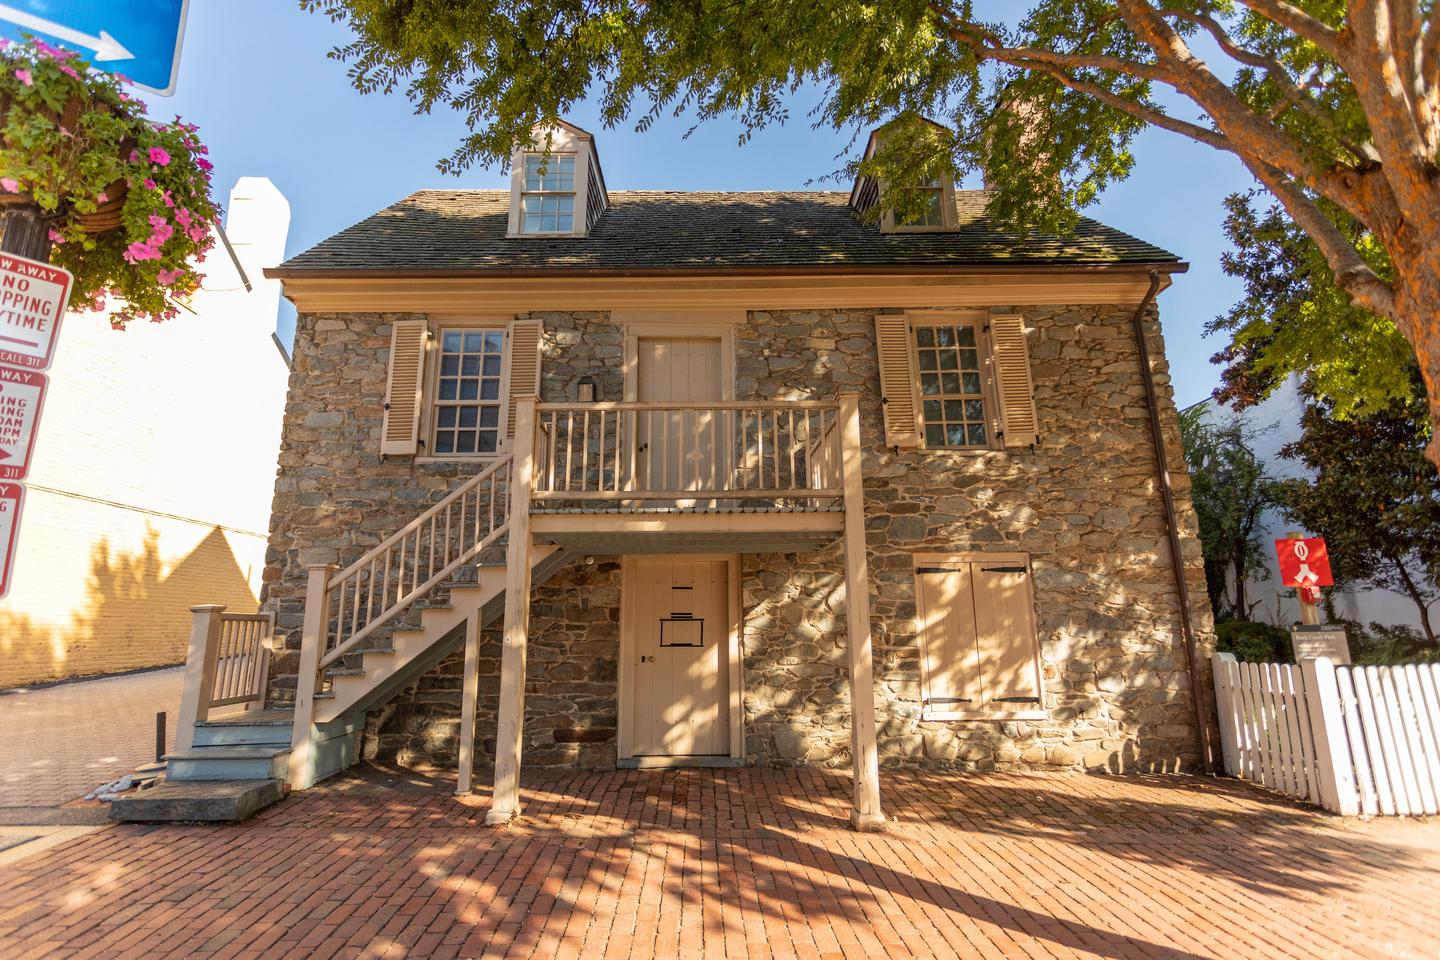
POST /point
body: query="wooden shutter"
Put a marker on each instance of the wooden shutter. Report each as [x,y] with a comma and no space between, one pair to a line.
[1012,381]
[403,390]
[524,351]
[947,638]
[1007,648]
[897,381]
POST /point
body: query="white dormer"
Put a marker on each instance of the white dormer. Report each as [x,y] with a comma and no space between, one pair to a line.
[939,196]
[560,193]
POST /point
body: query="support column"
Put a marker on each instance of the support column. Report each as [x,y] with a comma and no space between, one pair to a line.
[867,814]
[199,681]
[469,694]
[301,769]
[505,804]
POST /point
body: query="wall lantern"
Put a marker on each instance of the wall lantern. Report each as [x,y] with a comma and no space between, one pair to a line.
[586,390]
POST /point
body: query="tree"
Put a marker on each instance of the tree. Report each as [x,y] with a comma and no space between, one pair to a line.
[1333,105]
[1293,319]
[1230,489]
[1375,498]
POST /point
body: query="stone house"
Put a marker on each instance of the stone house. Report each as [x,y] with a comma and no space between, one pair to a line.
[573,477]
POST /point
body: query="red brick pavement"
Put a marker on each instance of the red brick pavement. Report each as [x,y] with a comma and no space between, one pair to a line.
[743,863]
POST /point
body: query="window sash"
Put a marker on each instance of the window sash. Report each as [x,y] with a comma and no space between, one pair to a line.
[955,407]
[467,393]
[547,201]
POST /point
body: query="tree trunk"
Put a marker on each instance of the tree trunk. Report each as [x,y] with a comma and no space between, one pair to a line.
[1417,316]
[1414,592]
[25,232]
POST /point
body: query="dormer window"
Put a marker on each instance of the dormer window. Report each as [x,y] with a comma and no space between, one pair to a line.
[556,187]
[932,213]
[548,201]
[935,211]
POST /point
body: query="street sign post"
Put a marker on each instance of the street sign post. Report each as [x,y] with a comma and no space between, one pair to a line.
[22,393]
[33,296]
[137,38]
[12,501]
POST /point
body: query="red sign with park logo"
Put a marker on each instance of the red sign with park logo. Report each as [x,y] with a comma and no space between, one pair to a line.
[1304,563]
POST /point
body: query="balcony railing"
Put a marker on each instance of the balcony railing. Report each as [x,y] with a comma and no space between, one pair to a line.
[687,453]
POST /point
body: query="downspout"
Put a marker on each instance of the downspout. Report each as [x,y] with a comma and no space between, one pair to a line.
[1172,527]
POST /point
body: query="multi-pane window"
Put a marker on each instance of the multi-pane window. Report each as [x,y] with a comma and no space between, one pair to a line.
[952,393]
[548,201]
[931,209]
[467,392]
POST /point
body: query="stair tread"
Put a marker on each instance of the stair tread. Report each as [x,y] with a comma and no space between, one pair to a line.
[273,717]
[345,671]
[230,751]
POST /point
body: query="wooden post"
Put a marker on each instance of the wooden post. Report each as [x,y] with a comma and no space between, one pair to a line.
[1309,612]
[301,770]
[1225,707]
[199,672]
[505,804]
[1332,748]
[867,814]
[470,693]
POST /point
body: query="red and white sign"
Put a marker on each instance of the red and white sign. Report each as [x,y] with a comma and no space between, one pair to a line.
[1305,564]
[33,296]
[12,498]
[22,394]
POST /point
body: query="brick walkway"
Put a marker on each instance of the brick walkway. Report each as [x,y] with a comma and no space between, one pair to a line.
[743,863]
[61,742]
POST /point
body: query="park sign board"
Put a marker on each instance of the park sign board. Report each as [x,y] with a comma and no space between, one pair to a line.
[12,500]
[137,39]
[22,392]
[33,296]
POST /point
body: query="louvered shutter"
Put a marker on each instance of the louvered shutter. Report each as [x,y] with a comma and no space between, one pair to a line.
[1005,640]
[1013,382]
[897,381]
[947,639]
[401,430]
[524,351]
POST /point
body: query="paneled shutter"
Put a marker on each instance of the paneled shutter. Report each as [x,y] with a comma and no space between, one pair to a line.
[947,639]
[1013,382]
[401,431]
[897,381]
[524,350]
[1008,650]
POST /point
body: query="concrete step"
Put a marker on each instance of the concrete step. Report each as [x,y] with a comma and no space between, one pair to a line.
[216,801]
[268,727]
[233,762]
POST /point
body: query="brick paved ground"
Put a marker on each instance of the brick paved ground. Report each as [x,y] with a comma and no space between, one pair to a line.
[61,742]
[743,863]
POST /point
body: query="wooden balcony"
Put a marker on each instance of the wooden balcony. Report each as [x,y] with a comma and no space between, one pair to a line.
[687,477]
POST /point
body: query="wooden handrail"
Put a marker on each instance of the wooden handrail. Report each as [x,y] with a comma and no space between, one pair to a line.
[611,406]
[390,541]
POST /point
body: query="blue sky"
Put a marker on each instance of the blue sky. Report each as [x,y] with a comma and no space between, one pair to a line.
[255,77]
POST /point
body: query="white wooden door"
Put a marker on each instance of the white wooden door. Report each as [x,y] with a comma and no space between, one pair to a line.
[677,448]
[680,696]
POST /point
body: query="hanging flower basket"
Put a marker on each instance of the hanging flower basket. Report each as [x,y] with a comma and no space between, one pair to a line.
[127,198]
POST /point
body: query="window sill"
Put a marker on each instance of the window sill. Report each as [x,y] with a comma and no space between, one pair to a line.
[482,458]
[996,715]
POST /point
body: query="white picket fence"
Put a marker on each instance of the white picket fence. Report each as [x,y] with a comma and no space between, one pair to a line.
[1350,739]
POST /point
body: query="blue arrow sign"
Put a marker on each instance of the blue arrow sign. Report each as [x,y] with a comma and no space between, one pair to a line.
[137,38]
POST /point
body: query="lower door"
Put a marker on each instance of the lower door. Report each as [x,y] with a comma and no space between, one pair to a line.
[680,630]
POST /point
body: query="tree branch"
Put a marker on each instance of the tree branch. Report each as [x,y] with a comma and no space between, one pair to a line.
[1301,23]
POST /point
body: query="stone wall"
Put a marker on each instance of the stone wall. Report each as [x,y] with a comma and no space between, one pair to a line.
[1082,503]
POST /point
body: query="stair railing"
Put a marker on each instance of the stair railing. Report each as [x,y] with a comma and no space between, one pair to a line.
[227,663]
[409,563]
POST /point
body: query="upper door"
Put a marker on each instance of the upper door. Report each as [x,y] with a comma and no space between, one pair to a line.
[677,445]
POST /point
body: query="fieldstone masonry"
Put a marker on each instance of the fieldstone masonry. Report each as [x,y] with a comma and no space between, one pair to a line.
[1083,503]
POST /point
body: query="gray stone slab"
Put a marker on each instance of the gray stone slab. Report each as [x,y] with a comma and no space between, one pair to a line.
[224,801]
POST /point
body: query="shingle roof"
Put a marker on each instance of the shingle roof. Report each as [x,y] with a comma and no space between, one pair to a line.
[464,230]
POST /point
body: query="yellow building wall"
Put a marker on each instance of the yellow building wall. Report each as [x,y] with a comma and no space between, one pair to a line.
[153,470]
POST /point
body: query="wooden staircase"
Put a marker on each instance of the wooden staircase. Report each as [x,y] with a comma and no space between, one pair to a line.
[430,582]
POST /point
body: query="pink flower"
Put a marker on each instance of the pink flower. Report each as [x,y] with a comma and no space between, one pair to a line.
[204,164]
[102,198]
[197,233]
[182,217]
[69,71]
[9,184]
[138,251]
[150,184]
[24,77]
[56,237]
[168,277]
